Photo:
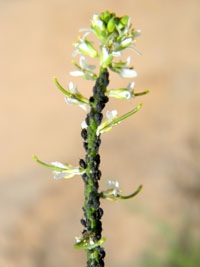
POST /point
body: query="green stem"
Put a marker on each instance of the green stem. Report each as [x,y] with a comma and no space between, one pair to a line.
[92,238]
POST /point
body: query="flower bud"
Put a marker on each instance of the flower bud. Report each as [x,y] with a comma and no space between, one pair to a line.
[87,48]
[124,20]
[111,25]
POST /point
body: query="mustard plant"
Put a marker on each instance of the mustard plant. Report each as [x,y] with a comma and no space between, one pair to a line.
[115,34]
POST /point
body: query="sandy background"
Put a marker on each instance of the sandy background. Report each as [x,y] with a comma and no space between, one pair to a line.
[159,147]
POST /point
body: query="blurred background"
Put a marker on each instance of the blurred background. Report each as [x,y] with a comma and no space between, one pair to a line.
[158,147]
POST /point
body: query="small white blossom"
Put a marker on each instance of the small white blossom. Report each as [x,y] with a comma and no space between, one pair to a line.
[73,101]
[123,44]
[67,171]
[85,47]
[105,58]
[112,191]
[123,93]
[111,115]
[107,125]
[114,186]
[84,70]
[84,64]
[75,98]
[97,23]
[72,89]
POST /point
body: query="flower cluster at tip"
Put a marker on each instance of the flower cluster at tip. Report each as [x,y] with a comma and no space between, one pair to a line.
[115,35]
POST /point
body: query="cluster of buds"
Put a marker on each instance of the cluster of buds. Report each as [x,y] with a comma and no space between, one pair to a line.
[115,34]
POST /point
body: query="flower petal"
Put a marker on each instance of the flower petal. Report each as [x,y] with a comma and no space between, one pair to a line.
[111,114]
[77,73]
[127,73]
[59,164]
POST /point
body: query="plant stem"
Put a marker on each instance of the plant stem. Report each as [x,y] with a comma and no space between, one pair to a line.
[91,208]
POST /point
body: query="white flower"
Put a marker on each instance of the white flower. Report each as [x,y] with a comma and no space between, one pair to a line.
[75,98]
[73,101]
[123,69]
[84,64]
[72,89]
[84,69]
[112,191]
[85,47]
[113,186]
[105,58]
[111,115]
[107,125]
[66,170]
[97,24]
[123,44]
[123,93]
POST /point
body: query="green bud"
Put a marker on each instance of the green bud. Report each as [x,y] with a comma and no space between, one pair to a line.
[120,26]
[111,25]
[124,20]
[105,16]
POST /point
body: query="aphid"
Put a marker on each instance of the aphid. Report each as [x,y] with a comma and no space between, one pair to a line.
[84,134]
[82,164]
[85,177]
[105,99]
[83,222]
[85,144]
[91,99]
[98,118]
[87,120]
[100,106]
[98,174]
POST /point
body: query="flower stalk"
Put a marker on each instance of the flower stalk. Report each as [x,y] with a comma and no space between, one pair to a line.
[115,35]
